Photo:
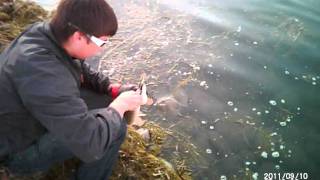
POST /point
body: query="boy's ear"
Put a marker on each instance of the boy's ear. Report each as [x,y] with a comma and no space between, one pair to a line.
[77,35]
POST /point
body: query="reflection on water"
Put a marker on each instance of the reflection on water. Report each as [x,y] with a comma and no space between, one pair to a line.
[243,77]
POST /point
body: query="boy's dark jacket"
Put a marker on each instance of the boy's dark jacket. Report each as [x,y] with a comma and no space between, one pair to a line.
[40,93]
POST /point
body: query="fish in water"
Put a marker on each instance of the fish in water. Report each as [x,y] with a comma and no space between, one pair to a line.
[169,105]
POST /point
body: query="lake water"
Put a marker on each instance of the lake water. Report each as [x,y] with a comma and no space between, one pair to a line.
[254,108]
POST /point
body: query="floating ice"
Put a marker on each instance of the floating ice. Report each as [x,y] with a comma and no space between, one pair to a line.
[304,76]
[211,127]
[274,134]
[255,42]
[314,83]
[259,113]
[275,154]
[283,123]
[203,83]
[296,78]
[254,163]
[255,176]
[282,147]
[210,65]
[298,108]
[266,111]
[289,151]
[203,122]
[235,109]
[286,72]
[250,123]
[314,79]
[236,44]
[239,29]
[223,177]
[264,154]
[273,102]
[230,103]
[208,151]
[247,163]
[283,101]
[226,155]
[277,167]
[264,67]
[231,54]
[288,119]
[259,147]
[254,109]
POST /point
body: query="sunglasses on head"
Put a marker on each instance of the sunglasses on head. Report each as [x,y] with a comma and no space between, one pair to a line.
[94,39]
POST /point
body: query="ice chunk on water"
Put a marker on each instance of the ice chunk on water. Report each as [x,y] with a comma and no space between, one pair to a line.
[277,167]
[254,109]
[239,29]
[247,163]
[283,123]
[264,154]
[202,83]
[274,134]
[208,151]
[273,102]
[255,42]
[211,127]
[275,154]
[203,122]
[235,109]
[230,103]
[223,177]
[286,72]
[283,101]
[266,111]
[255,176]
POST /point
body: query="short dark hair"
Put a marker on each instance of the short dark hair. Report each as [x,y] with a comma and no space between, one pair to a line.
[94,17]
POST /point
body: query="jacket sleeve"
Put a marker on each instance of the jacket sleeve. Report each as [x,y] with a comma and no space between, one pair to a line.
[94,80]
[50,93]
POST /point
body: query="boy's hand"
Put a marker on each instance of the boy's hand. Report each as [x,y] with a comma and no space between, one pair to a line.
[127,101]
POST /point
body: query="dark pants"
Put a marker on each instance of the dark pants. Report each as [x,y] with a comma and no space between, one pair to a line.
[48,151]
